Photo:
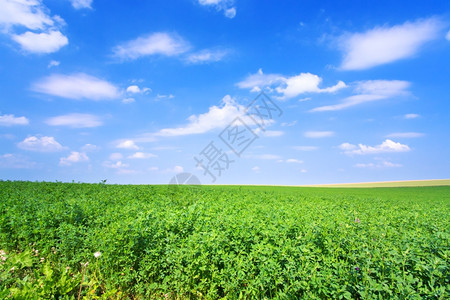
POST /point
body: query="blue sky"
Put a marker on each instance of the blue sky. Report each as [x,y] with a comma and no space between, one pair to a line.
[133,91]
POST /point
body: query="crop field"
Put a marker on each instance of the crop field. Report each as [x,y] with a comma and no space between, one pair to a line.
[98,241]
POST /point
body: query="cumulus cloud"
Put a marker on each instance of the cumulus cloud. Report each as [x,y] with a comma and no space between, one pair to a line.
[287,87]
[44,35]
[206,56]
[318,134]
[227,6]
[386,147]
[383,45]
[74,157]
[405,135]
[134,89]
[216,118]
[367,91]
[76,86]
[44,42]
[40,144]
[15,161]
[75,120]
[53,63]
[79,4]
[127,144]
[160,43]
[141,155]
[11,120]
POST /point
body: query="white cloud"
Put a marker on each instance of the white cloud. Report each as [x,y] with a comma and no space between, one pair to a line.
[383,45]
[53,63]
[318,134]
[128,100]
[117,165]
[305,83]
[216,117]
[160,96]
[383,164]
[45,35]
[74,157]
[127,144]
[405,135]
[27,13]
[142,155]
[287,87]
[176,169]
[230,12]
[290,124]
[41,144]
[227,6]
[411,116]
[10,120]
[76,86]
[256,169]
[41,42]
[115,156]
[305,148]
[260,80]
[75,120]
[385,147]
[294,161]
[134,89]
[272,133]
[15,161]
[207,55]
[79,4]
[153,44]
[264,156]
[89,148]
[367,91]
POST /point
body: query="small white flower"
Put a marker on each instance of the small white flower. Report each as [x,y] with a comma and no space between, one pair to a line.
[97,254]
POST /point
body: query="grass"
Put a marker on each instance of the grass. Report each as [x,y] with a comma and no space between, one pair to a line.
[230,242]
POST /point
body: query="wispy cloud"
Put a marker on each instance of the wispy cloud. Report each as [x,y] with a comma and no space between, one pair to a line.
[207,56]
[318,134]
[79,4]
[76,86]
[294,161]
[40,144]
[142,155]
[379,165]
[411,116]
[305,148]
[227,6]
[75,120]
[11,120]
[367,91]
[15,161]
[159,43]
[383,45]
[385,147]
[405,135]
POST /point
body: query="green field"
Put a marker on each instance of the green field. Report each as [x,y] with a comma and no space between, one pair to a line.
[228,242]
[411,183]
